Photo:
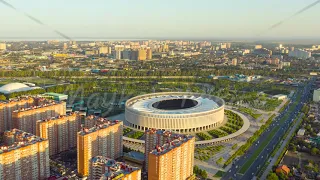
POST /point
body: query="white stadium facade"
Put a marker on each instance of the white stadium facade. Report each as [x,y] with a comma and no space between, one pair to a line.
[180,112]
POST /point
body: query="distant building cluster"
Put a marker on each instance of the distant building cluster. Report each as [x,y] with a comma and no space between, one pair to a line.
[300,54]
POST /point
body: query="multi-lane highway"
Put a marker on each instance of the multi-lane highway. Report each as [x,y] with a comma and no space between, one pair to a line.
[248,165]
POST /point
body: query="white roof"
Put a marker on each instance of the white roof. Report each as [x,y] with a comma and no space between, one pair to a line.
[145,104]
[279,95]
[15,87]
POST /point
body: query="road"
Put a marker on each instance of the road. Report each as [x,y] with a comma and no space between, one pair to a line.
[259,152]
[280,150]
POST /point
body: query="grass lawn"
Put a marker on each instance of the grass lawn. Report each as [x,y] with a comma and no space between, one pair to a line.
[250,112]
[219,174]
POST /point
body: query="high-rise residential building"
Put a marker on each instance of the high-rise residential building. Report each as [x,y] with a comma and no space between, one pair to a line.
[228,45]
[223,46]
[300,54]
[105,139]
[119,47]
[134,55]
[142,54]
[258,47]
[117,54]
[3,46]
[172,160]
[149,53]
[26,118]
[126,54]
[92,121]
[65,46]
[6,109]
[164,48]
[234,61]
[60,131]
[104,168]
[104,50]
[24,156]
[157,138]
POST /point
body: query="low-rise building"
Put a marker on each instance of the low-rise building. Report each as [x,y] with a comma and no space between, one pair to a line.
[279,96]
[316,95]
[301,132]
[283,169]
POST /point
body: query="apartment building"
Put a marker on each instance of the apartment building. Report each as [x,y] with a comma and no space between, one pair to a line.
[104,139]
[173,160]
[26,118]
[24,156]
[61,132]
[105,168]
[7,107]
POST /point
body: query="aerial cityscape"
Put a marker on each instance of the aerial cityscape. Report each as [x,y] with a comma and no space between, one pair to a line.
[179,99]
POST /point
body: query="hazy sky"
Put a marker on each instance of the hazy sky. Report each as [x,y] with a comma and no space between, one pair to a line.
[160,18]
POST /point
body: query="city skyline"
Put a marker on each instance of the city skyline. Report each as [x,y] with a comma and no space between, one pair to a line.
[159,19]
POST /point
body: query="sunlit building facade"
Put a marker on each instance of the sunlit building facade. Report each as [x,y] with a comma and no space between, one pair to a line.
[24,156]
[61,132]
[26,118]
[104,168]
[104,139]
[6,109]
[172,160]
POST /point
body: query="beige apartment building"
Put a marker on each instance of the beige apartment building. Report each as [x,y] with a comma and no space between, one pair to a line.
[6,109]
[61,132]
[26,118]
[105,168]
[104,139]
[173,160]
[24,156]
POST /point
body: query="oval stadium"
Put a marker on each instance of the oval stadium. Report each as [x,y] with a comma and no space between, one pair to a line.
[181,112]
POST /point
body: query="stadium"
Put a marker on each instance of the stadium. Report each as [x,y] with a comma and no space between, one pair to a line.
[181,112]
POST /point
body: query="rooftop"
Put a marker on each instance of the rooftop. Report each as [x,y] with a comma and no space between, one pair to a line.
[49,103]
[104,123]
[54,94]
[15,87]
[173,141]
[174,103]
[20,139]
[58,117]
[113,168]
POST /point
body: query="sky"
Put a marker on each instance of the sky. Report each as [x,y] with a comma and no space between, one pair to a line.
[160,18]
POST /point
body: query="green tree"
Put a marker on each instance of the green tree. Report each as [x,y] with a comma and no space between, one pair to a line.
[272,176]
[314,151]
[2,97]
[282,176]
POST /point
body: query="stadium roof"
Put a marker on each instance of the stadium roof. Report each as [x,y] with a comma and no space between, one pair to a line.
[15,87]
[145,104]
